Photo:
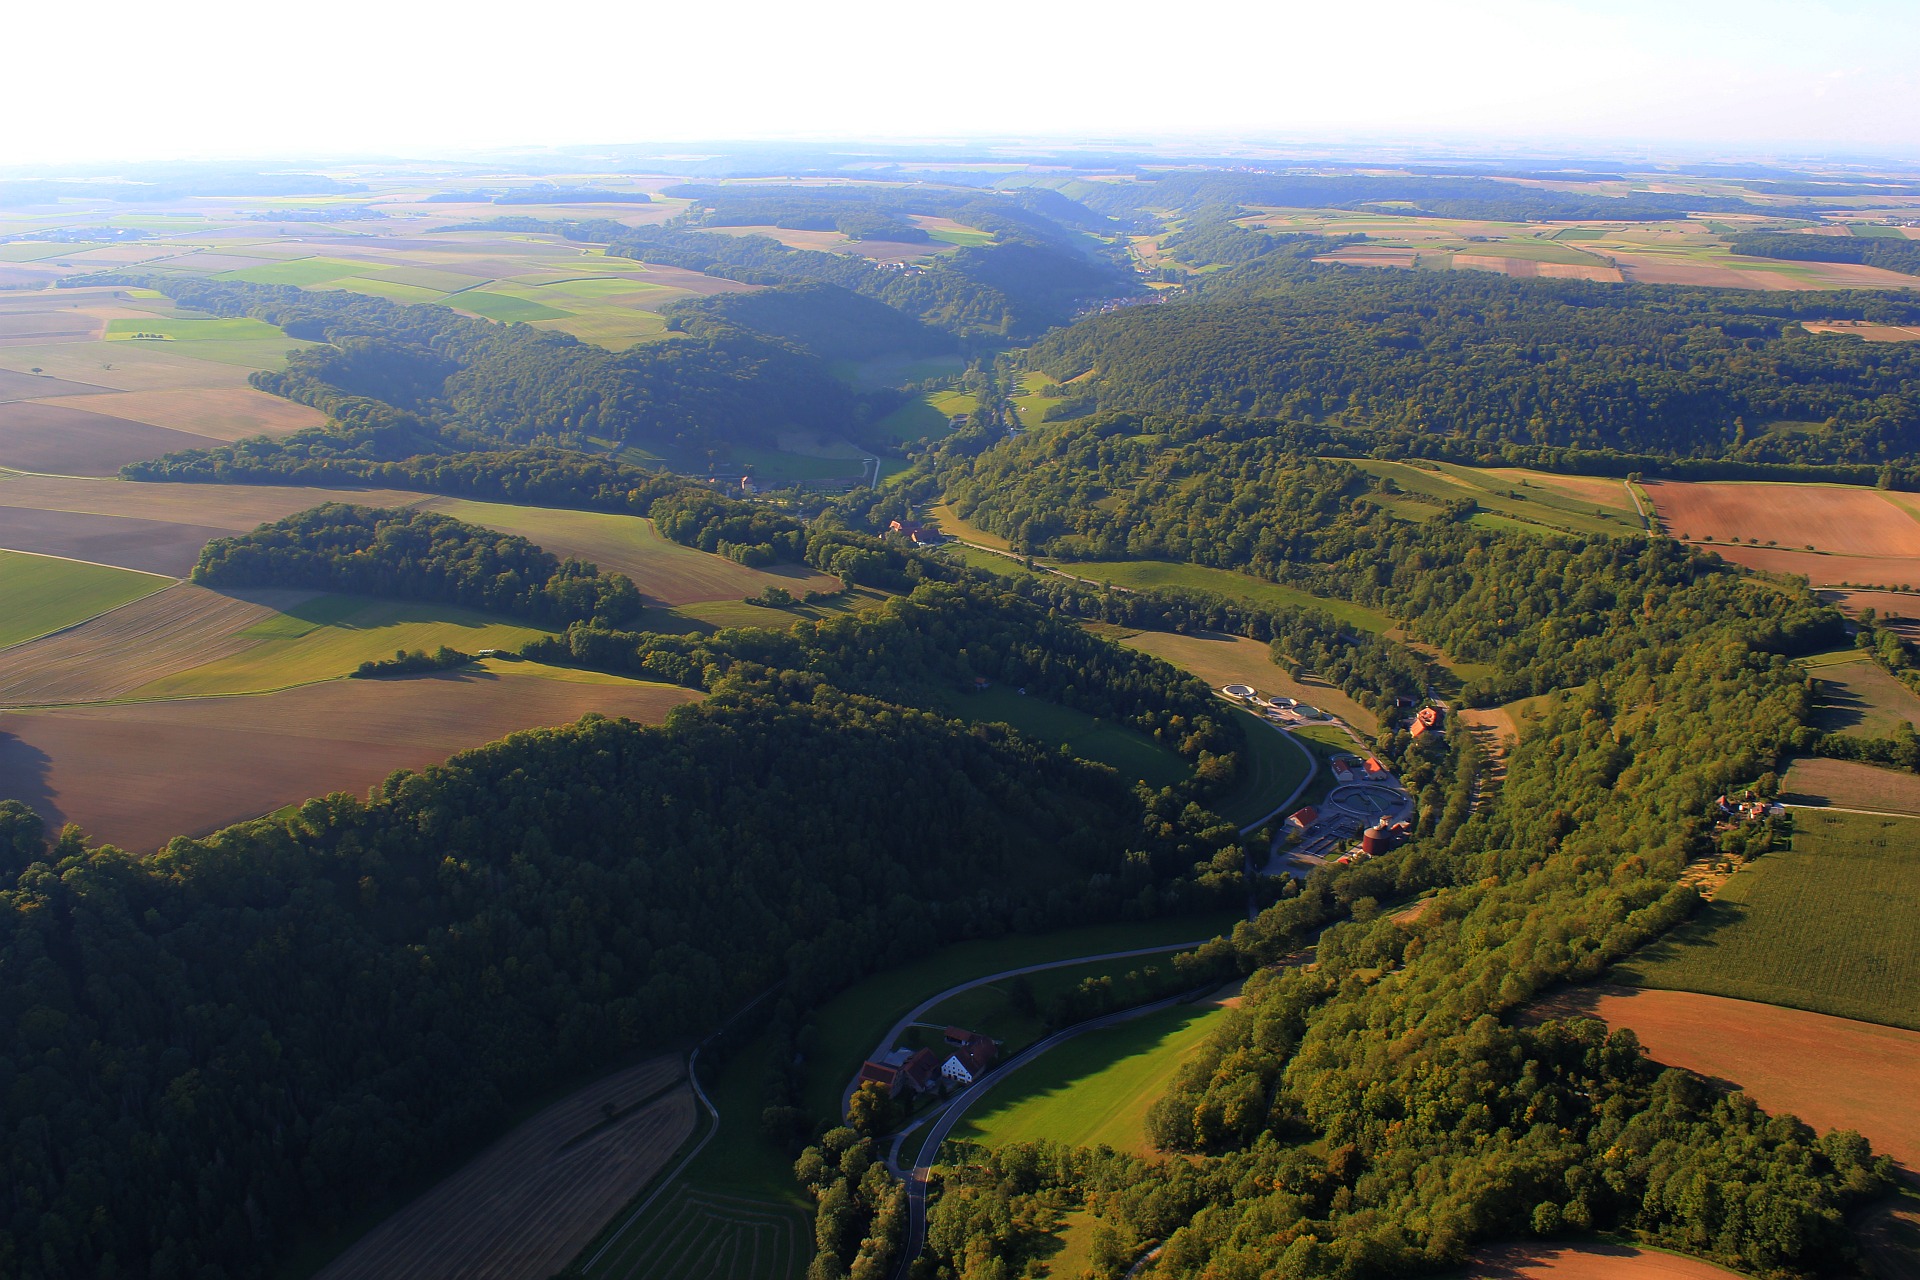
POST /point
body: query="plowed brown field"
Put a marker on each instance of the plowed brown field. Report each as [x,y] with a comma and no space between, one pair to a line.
[82,442]
[1834,1073]
[151,546]
[1846,520]
[1535,1261]
[1846,784]
[121,650]
[136,774]
[223,413]
[528,1204]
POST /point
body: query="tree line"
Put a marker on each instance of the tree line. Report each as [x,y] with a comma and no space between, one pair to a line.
[1885,252]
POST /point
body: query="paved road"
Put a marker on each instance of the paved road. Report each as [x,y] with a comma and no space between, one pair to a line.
[899,1029]
[1313,771]
[940,1123]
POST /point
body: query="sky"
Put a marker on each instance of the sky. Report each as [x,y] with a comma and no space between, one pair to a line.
[119,81]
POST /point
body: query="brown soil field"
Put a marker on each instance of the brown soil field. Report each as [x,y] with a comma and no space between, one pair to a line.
[81,442]
[1497,722]
[1834,1073]
[1901,610]
[1862,697]
[231,508]
[1825,570]
[524,1207]
[1524,268]
[16,386]
[1845,784]
[1586,1261]
[1861,329]
[151,546]
[1373,257]
[123,366]
[222,413]
[1843,519]
[121,650]
[137,774]
[1578,271]
[23,326]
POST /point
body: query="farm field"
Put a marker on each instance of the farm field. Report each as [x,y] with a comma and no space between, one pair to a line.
[1133,755]
[1221,659]
[1859,696]
[1835,535]
[1136,574]
[663,570]
[1586,1260]
[849,1026]
[1833,1073]
[43,594]
[1831,925]
[1094,1089]
[1846,784]
[524,1207]
[1529,500]
[135,774]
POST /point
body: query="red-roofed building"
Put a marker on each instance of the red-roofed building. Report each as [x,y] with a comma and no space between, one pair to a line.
[1426,721]
[921,1070]
[1304,817]
[891,1078]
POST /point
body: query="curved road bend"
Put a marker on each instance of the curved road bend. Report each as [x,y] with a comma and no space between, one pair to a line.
[941,1123]
[673,1178]
[918,1011]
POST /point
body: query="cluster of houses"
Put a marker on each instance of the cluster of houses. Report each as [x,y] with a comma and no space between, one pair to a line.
[1354,769]
[1750,808]
[916,533]
[904,1072]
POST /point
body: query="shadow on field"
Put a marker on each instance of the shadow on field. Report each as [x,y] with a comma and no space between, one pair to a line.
[24,773]
[1840,708]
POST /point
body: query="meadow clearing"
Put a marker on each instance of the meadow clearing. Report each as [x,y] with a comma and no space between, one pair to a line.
[1858,696]
[1831,925]
[1847,784]
[136,774]
[526,1205]
[1834,1073]
[1531,501]
[45,594]
[1221,660]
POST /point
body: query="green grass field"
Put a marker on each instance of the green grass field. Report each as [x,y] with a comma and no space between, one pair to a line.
[1132,754]
[848,1027]
[1833,925]
[1509,499]
[928,416]
[1274,768]
[239,329]
[692,1233]
[1223,582]
[1858,696]
[994,1010]
[44,594]
[296,271]
[330,635]
[503,306]
[1093,1090]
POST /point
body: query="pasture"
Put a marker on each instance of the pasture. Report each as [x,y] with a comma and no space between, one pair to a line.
[135,774]
[1130,753]
[1095,1089]
[1858,696]
[664,571]
[1846,784]
[696,1234]
[43,594]
[1831,925]
[849,1026]
[525,1206]
[1831,1072]
[999,1010]
[1138,574]
[1532,501]
[1221,660]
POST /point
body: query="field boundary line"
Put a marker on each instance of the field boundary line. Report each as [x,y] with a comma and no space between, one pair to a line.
[1834,808]
[47,635]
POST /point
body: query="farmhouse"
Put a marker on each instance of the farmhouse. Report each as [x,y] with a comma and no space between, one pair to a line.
[972,1057]
[1303,818]
[1426,721]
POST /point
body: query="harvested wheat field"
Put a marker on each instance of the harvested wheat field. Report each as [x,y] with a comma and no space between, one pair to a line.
[82,442]
[116,653]
[222,413]
[524,1207]
[1845,784]
[236,508]
[136,774]
[1595,1261]
[150,546]
[1834,1073]
[16,385]
[1861,329]
[1841,519]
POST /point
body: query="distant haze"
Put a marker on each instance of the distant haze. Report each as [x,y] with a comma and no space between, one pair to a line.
[122,81]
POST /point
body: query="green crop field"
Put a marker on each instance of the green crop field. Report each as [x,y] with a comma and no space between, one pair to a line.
[240,329]
[1832,925]
[1223,582]
[1133,754]
[329,636]
[44,594]
[296,271]
[1095,1089]
[503,306]
[848,1027]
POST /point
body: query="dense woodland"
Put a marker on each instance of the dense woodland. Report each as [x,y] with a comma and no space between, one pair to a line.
[832,322]
[1888,252]
[416,555]
[1468,363]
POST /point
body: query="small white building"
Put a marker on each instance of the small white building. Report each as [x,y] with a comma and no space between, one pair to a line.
[956,1070]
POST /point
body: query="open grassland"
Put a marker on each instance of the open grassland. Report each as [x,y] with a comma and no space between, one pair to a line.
[1137,574]
[1845,784]
[953,526]
[1831,925]
[1831,1072]
[1000,1010]
[1861,697]
[1221,660]
[663,570]
[1095,1089]
[137,773]
[1586,1260]
[1534,502]
[1132,754]
[527,1204]
[162,329]
[327,636]
[1275,767]
[42,594]
[849,1027]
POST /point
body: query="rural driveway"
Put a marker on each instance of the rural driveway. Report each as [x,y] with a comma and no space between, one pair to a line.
[918,1011]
